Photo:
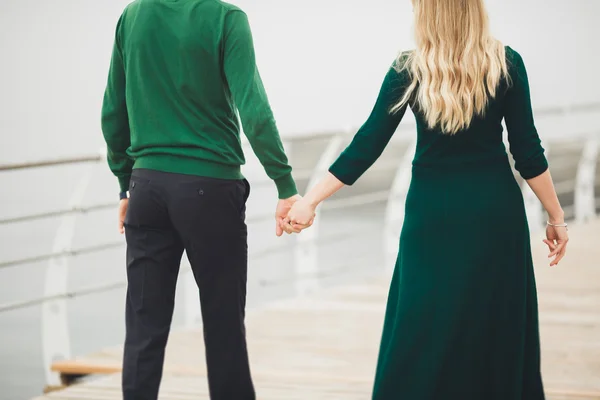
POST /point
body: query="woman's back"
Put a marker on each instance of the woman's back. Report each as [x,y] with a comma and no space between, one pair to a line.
[482,141]
[479,143]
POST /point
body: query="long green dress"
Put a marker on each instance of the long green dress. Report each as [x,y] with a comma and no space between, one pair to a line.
[461,320]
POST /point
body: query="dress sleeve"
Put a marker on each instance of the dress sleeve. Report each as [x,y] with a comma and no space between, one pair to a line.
[525,144]
[374,135]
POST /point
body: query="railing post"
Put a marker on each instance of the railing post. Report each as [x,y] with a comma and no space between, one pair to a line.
[306,249]
[585,202]
[533,208]
[56,343]
[394,215]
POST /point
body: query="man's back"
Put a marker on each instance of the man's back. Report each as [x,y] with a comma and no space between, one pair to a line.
[186,66]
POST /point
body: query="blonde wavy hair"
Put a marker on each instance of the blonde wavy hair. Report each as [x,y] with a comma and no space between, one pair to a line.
[457,64]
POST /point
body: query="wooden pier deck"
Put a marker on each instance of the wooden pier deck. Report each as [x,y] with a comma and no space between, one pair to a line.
[324,346]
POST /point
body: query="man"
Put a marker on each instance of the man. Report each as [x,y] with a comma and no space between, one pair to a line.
[179,71]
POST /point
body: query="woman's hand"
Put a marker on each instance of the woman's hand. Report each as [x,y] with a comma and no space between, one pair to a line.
[300,217]
[556,240]
[302,213]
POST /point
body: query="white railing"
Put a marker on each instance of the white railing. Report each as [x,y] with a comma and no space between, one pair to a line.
[55,333]
[585,199]
[395,204]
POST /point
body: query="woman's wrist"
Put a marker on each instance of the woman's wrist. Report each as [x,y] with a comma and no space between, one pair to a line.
[557,217]
[311,199]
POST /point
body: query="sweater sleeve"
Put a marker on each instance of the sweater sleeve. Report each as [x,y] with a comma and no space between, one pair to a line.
[525,144]
[374,135]
[115,120]
[251,100]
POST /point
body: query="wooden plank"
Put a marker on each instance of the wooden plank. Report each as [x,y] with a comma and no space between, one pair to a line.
[86,367]
[189,388]
[298,352]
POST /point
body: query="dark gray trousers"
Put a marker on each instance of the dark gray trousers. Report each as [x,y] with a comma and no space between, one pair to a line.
[167,214]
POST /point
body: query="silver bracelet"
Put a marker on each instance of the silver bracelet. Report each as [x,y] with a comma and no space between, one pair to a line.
[563,225]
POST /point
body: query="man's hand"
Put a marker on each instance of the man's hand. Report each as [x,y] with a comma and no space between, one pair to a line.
[281,212]
[123,204]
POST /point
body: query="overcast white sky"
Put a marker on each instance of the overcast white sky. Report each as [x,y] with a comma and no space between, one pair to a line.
[322,61]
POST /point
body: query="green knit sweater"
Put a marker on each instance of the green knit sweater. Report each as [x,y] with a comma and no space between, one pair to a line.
[180,72]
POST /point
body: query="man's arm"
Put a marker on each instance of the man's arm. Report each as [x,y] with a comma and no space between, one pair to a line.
[251,100]
[115,121]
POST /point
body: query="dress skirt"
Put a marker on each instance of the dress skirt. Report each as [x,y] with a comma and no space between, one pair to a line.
[461,321]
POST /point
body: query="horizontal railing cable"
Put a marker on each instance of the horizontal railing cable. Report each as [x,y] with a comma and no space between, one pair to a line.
[15,305]
[51,162]
[69,253]
[362,199]
[59,213]
[561,110]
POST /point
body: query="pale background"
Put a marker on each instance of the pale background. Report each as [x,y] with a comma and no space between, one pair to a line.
[322,62]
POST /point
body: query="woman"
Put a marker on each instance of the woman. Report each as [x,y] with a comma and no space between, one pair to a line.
[461,319]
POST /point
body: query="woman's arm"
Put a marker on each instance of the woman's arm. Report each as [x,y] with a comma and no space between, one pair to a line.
[327,187]
[374,135]
[525,143]
[365,148]
[526,148]
[543,187]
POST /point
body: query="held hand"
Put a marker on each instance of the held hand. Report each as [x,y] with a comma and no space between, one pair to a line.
[300,217]
[283,207]
[556,240]
[123,204]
